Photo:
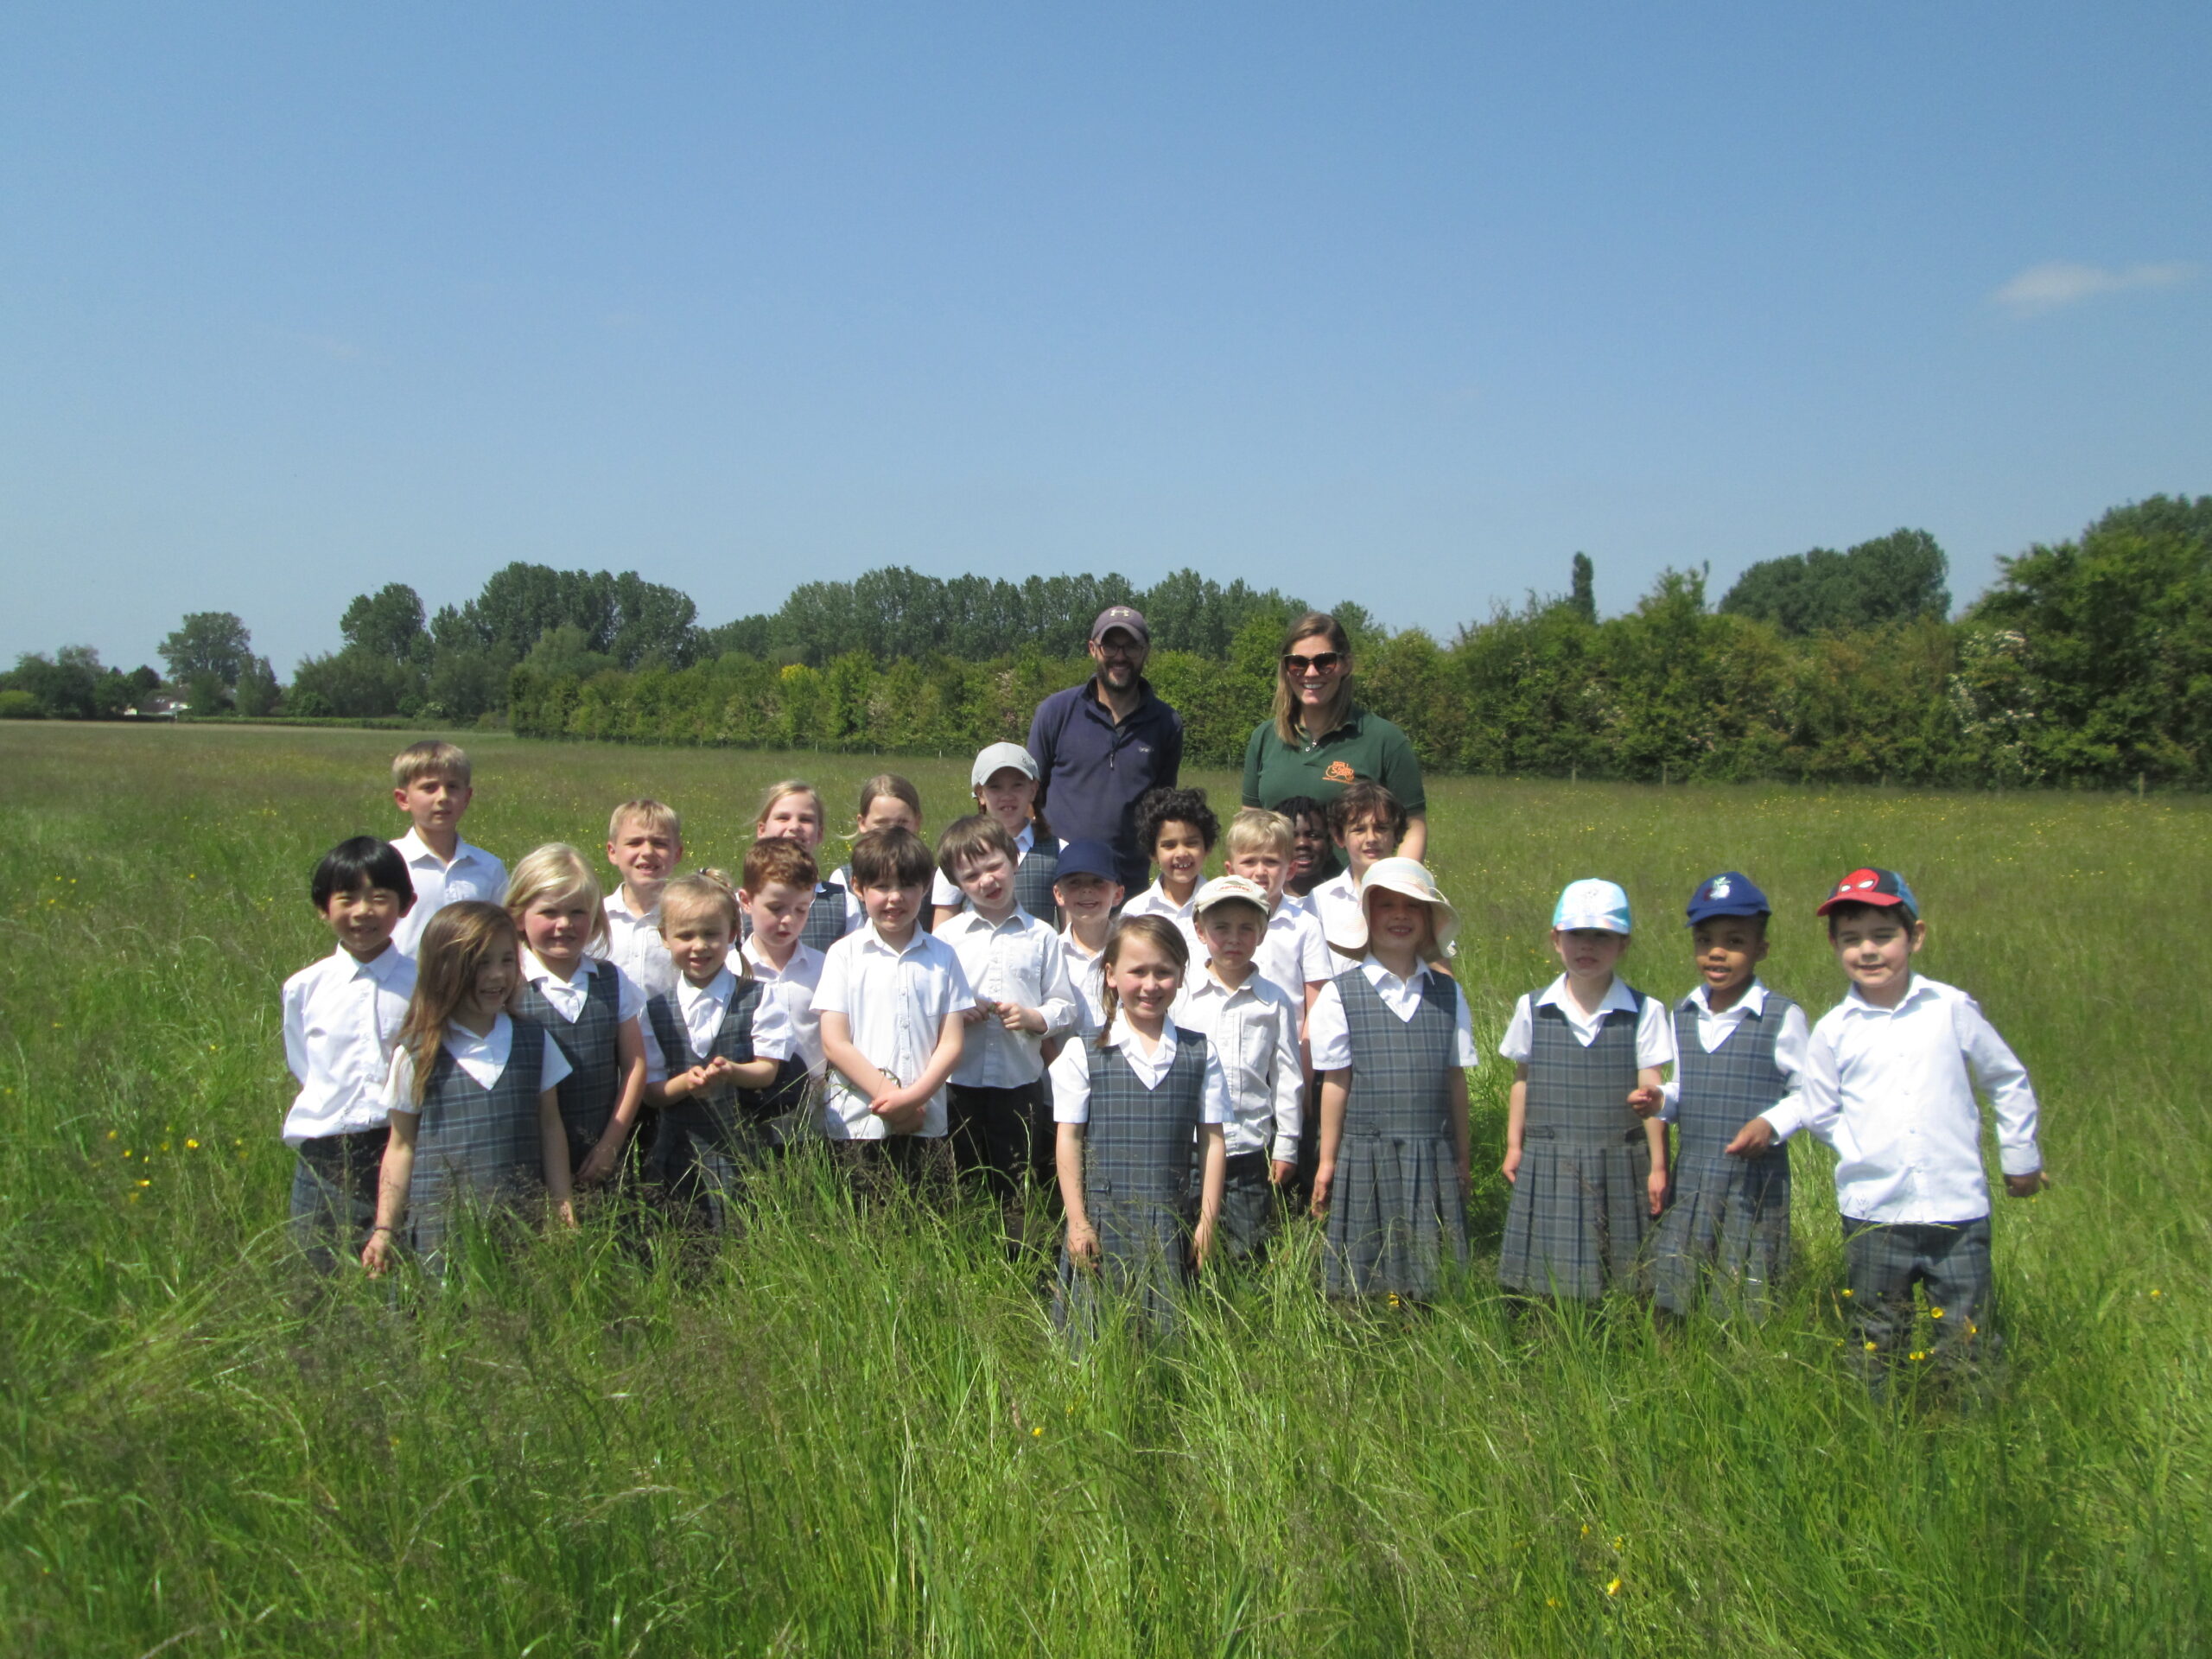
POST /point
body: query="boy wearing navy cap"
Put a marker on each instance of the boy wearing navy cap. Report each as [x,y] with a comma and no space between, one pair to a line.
[1889,1082]
[1739,1050]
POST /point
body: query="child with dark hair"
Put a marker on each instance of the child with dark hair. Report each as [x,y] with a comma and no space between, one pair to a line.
[1004,783]
[1177,830]
[779,875]
[890,1000]
[1366,823]
[1890,1078]
[341,1016]
[1309,846]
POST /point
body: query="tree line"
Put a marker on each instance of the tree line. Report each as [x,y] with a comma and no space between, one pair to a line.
[2088,661]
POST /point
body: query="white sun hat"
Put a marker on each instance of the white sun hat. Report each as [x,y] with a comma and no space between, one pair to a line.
[1411,877]
[998,757]
[1599,907]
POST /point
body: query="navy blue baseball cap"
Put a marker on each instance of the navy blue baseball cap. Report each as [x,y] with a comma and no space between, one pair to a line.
[1729,894]
[1089,858]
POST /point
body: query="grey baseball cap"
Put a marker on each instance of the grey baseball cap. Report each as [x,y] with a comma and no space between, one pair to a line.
[1121,616]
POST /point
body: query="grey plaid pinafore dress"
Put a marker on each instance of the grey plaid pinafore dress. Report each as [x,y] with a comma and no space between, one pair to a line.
[475,1147]
[1730,1216]
[1033,878]
[726,1128]
[1576,1222]
[826,921]
[588,1093]
[1136,1156]
[1395,1208]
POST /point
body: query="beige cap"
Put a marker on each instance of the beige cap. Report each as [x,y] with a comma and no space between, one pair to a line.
[1222,888]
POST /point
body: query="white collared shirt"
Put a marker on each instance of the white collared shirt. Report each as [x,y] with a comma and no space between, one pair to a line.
[1154,901]
[1655,1028]
[1291,951]
[1254,1030]
[702,1008]
[341,1016]
[483,1059]
[1087,973]
[473,873]
[1892,1091]
[945,891]
[1336,902]
[1071,1073]
[568,996]
[896,1003]
[1328,1034]
[1020,960]
[855,911]
[633,943]
[1714,1029]
[784,1015]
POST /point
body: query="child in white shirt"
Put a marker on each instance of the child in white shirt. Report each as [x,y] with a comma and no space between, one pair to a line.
[430,784]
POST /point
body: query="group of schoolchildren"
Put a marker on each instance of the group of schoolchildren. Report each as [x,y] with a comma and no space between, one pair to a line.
[1160,1079]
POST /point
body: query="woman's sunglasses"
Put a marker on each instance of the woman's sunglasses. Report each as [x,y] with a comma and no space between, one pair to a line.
[1320,662]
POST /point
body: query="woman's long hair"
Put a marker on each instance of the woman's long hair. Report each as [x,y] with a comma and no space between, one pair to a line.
[1313,626]
[1154,930]
[454,944]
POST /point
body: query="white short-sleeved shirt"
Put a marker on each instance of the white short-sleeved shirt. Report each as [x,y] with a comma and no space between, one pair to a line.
[633,943]
[1336,903]
[945,891]
[785,1015]
[1293,953]
[701,1007]
[568,996]
[1714,1029]
[1254,1030]
[473,873]
[896,1002]
[1328,1035]
[1154,901]
[1655,1027]
[484,1059]
[1892,1091]
[1070,1074]
[341,1016]
[1087,973]
[1020,960]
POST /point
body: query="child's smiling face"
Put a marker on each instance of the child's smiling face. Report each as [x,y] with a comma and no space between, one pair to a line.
[1145,980]
[1181,852]
[1087,898]
[1589,954]
[1399,925]
[556,927]
[1366,840]
[1875,948]
[893,908]
[796,816]
[1008,795]
[699,939]
[643,855]
[496,977]
[363,919]
[1309,845]
[1729,949]
[889,812]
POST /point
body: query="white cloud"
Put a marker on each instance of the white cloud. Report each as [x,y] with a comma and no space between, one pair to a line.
[2046,288]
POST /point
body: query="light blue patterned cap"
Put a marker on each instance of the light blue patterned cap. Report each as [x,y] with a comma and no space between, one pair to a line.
[1591,902]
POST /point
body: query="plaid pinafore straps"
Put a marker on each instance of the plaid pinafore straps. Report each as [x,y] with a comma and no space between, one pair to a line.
[474,1145]
[1136,1150]
[725,1117]
[1032,880]
[588,1093]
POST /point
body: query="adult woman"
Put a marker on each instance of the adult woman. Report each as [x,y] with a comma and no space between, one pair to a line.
[1319,740]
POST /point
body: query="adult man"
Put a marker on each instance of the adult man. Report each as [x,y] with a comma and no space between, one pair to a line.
[1101,744]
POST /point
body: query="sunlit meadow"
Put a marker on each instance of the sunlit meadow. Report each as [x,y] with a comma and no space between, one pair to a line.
[840,1435]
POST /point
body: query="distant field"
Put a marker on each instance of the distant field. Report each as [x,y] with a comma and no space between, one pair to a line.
[842,1438]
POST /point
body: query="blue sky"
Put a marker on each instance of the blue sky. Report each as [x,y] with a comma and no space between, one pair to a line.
[1400,303]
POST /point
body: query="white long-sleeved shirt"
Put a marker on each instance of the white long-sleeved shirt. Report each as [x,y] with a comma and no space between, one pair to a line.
[1253,1028]
[1892,1091]
[341,1016]
[1019,960]
[471,872]
[1070,1074]
[1714,1029]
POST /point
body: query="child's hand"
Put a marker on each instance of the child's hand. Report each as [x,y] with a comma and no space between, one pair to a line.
[985,1009]
[1754,1138]
[376,1254]
[2027,1185]
[1656,1185]
[899,1114]
[597,1168]
[1015,1018]
[1511,1167]
[1644,1102]
[1323,1178]
[1201,1242]
[1278,1171]
[1083,1243]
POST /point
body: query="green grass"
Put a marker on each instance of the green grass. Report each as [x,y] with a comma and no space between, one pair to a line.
[851,1437]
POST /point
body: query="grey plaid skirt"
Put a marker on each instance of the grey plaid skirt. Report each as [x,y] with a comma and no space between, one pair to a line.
[1576,1222]
[1394,1213]
[1729,1219]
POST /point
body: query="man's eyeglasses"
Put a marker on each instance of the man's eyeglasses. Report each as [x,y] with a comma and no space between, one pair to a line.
[1324,662]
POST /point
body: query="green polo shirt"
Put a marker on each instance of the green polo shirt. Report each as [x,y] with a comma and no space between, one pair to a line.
[1365,745]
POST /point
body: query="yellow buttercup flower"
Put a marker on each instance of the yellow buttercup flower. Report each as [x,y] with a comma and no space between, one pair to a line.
[1613,1588]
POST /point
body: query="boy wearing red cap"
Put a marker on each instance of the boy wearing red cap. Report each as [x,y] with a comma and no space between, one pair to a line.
[1890,1079]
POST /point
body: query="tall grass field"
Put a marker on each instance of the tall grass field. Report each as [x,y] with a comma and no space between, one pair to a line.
[843,1434]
